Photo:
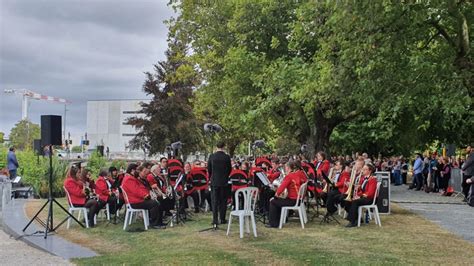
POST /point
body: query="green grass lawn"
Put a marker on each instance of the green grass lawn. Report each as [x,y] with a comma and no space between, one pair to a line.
[405,238]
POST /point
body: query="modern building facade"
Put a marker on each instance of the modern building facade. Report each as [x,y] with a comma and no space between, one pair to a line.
[106,123]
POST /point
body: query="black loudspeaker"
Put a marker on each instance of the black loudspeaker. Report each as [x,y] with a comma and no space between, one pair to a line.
[37,147]
[51,130]
[383,200]
[100,149]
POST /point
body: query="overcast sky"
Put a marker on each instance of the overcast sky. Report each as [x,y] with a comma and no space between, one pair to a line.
[78,50]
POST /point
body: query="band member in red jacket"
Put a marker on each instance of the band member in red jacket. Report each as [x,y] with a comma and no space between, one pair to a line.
[77,194]
[139,196]
[341,180]
[364,195]
[107,193]
[292,182]
[321,165]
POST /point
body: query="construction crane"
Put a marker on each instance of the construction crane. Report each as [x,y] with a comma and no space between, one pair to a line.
[27,95]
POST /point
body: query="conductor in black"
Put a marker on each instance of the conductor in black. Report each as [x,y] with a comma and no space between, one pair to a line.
[219,168]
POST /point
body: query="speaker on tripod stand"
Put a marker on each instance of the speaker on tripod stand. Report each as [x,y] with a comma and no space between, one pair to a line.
[50,135]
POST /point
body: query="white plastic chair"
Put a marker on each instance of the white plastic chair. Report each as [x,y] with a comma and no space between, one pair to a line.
[370,207]
[72,209]
[130,211]
[299,206]
[249,195]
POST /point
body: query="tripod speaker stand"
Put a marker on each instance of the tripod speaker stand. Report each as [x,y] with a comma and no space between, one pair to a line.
[50,135]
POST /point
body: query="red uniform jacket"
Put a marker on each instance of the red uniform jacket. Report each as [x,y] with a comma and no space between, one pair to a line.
[369,189]
[151,180]
[322,167]
[292,182]
[344,179]
[273,174]
[102,188]
[189,184]
[136,190]
[75,188]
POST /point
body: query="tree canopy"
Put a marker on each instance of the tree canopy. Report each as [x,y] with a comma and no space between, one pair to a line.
[341,76]
[23,134]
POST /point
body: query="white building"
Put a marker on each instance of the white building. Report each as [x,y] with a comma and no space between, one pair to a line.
[106,123]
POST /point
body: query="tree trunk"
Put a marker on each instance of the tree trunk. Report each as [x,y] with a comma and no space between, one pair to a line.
[321,133]
[232,148]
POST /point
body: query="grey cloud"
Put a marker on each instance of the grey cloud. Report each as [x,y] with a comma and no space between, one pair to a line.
[78,50]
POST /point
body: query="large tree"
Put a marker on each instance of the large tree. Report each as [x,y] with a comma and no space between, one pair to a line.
[169,115]
[23,134]
[369,74]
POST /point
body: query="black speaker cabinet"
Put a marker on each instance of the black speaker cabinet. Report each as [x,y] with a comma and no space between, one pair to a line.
[37,147]
[51,130]
[100,149]
[383,201]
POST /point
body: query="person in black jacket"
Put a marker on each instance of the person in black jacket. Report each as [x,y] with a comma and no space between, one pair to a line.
[468,171]
[219,168]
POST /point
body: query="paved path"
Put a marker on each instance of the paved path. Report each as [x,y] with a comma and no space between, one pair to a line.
[15,252]
[449,212]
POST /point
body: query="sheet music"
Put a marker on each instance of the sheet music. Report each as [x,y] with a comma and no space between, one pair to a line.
[17,179]
[263,177]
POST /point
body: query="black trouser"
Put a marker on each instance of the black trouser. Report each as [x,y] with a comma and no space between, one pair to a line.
[265,197]
[418,180]
[195,196]
[205,195]
[334,198]
[404,178]
[352,208]
[275,209]
[444,182]
[219,203]
[114,205]
[153,208]
[93,207]
[465,186]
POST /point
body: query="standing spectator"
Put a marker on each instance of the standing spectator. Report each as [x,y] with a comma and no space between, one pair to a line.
[397,172]
[445,175]
[417,172]
[434,172]
[468,171]
[404,171]
[12,163]
[426,173]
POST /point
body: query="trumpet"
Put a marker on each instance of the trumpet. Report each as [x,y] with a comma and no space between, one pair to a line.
[353,186]
[326,187]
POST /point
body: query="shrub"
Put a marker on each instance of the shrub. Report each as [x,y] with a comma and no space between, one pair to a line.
[35,172]
[95,163]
